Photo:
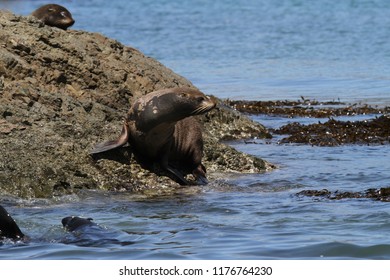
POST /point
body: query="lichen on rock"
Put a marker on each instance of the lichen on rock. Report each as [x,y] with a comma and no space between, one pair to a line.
[61,92]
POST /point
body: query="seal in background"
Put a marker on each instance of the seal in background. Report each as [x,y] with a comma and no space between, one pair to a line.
[54,15]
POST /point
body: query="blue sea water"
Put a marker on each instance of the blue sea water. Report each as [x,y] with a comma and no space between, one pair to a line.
[254,50]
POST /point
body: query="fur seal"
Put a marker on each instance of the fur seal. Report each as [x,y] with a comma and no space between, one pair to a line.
[160,128]
[8,227]
[54,15]
[85,232]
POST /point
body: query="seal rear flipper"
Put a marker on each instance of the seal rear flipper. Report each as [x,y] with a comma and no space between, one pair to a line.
[112,144]
[8,226]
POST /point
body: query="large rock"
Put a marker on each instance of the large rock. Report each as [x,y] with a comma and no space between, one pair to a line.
[61,92]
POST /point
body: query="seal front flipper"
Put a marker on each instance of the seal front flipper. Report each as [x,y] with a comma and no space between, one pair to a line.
[177,174]
[200,175]
[113,144]
[202,181]
[164,163]
[8,226]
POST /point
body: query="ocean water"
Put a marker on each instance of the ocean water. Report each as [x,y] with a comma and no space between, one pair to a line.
[254,50]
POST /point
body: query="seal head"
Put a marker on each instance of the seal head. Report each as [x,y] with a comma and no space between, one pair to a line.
[160,127]
[73,223]
[167,106]
[54,15]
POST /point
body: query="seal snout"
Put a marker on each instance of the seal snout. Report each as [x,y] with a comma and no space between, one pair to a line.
[211,101]
[67,19]
[206,103]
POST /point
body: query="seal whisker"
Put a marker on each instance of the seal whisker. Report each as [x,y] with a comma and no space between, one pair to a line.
[196,111]
[202,109]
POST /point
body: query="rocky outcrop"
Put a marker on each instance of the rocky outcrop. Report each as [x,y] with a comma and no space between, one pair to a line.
[330,133]
[381,194]
[61,92]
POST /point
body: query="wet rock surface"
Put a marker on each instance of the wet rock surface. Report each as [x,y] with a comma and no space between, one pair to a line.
[61,92]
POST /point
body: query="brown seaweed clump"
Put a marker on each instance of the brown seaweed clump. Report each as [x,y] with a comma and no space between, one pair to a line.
[381,194]
[334,132]
[305,108]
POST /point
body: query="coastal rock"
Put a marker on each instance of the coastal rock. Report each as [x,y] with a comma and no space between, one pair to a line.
[305,108]
[61,92]
[374,131]
[381,194]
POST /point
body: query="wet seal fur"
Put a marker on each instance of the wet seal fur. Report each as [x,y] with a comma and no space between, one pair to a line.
[54,15]
[160,128]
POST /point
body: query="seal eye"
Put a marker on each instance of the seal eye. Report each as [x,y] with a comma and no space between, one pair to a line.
[200,99]
[63,14]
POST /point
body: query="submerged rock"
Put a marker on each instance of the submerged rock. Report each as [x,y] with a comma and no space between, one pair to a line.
[382,194]
[334,132]
[330,133]
[305,108]
[61,92]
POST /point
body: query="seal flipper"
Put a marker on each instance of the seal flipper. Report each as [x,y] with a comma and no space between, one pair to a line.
[200,175]
[180,178]
[113,144]
[164,163]
[202,180]
[8,226]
